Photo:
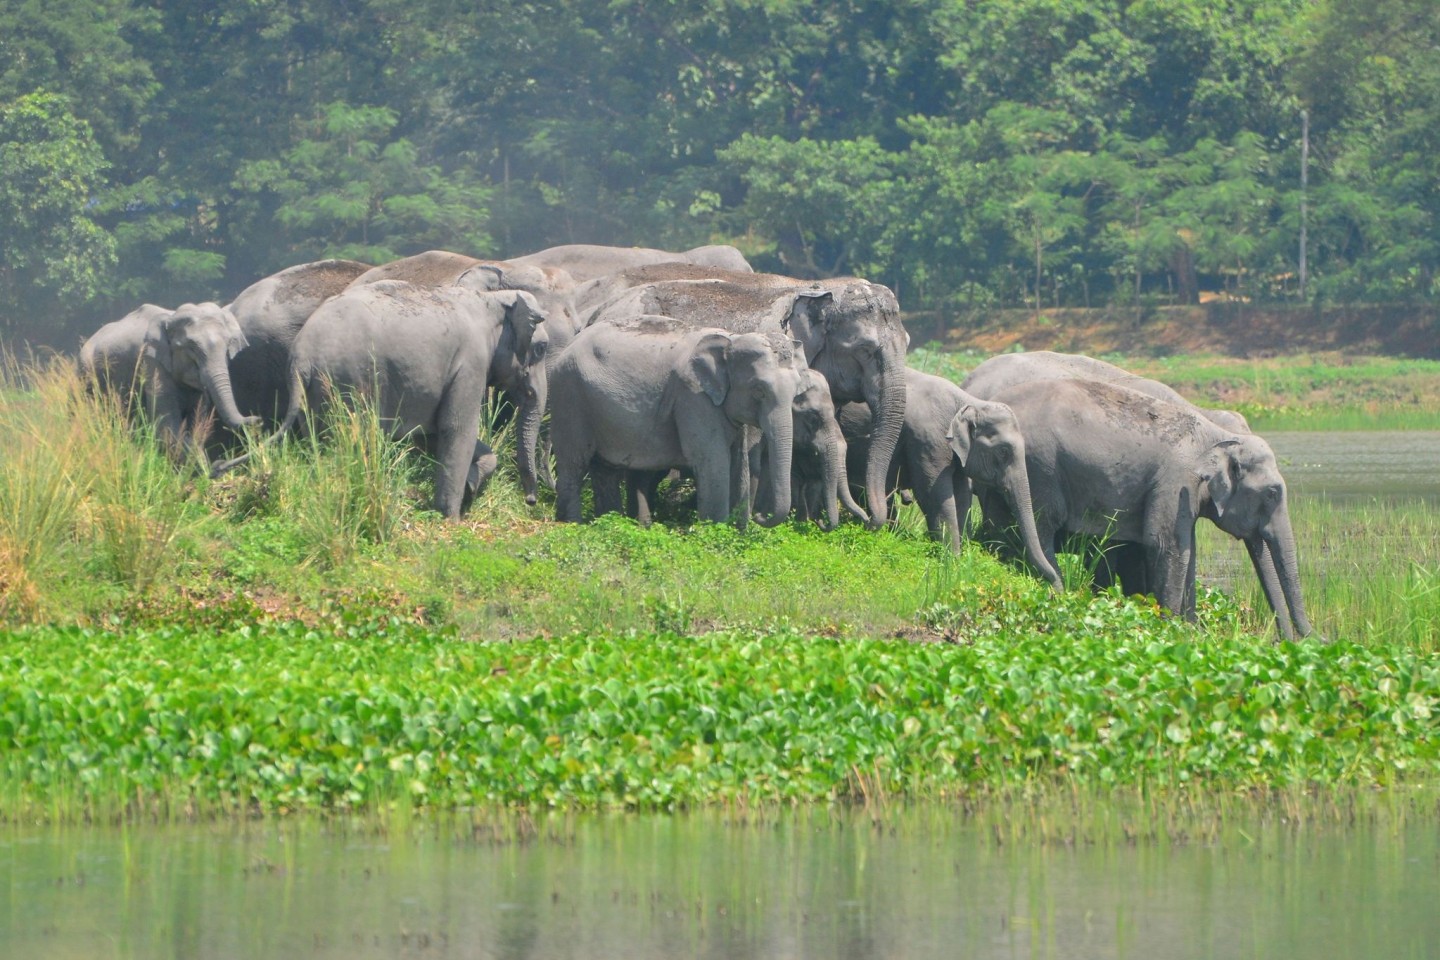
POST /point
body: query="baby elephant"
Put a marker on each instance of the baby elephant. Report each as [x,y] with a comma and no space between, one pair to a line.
[949,441]
[652,393]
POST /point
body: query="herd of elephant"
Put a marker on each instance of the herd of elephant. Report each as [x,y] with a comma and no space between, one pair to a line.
[769,391]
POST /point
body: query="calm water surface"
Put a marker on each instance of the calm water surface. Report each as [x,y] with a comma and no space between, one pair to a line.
[806,884]
[1360,466]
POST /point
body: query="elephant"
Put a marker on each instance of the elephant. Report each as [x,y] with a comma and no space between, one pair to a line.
[650,393]
[586,261]
[819,475]
[110,358]
[235,358]
[1106,460]
[271,312]
[185,366]
[428,355]
[1113,560]
[1009,369]
[950,441]
[849,328]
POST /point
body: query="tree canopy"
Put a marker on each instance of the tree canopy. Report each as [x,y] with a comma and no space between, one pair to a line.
[1009,152]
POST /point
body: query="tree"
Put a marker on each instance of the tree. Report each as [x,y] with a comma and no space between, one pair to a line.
[50,171]
[352,189]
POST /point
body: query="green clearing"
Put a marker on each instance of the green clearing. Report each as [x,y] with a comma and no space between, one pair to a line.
[299,636]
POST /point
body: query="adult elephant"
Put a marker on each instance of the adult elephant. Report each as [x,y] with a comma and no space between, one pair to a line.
[553,288]
[1010,369]
[849,328]
[1106,460]
[588,261]
[651,393]
[949,441]
[110,358]
[426,357]
[1111,560]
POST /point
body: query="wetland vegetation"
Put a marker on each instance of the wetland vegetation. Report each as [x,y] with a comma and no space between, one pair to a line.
[303,637]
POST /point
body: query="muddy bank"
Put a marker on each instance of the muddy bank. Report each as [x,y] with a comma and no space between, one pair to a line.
[1223,329]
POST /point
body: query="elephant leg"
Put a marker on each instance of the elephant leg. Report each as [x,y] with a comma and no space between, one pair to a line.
[605,481]
[712,483]
[1169,563]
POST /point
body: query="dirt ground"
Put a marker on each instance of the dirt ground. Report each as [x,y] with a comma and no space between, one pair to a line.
[1236,330]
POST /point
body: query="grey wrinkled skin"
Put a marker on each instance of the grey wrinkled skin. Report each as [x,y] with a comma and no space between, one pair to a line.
[652,393]
[110,358]
[1108,461]
[426,358]
[587,261]
[185,366]
[270,313]
[951,440]
[1114,560]
[1012,369]
[552,288]
[849,329]
[819,477]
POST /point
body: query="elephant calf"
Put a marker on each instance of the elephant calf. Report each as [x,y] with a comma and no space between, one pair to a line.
[651,393]
[949,441]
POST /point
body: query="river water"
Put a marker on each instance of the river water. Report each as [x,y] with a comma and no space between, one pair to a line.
[1352,466]
[922,883]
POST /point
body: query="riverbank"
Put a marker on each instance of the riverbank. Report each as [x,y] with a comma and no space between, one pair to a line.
[301,636]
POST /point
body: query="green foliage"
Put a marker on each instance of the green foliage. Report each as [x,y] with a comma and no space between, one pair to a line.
[50,170]
[352,189]
[351,712]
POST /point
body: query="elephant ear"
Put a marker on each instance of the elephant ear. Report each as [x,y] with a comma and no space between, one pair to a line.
[806,304]
[707,370]
[1218,473]
[961,432]
[157,340]
[237,340]
[484,277]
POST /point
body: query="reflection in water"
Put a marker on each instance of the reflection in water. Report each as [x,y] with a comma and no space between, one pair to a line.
[802,884]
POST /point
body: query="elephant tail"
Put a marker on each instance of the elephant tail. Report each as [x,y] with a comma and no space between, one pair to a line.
[292,414]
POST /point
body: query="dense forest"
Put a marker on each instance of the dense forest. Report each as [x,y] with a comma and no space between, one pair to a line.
[969,153]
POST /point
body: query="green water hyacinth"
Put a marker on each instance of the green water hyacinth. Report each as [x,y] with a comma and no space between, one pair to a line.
[288,717]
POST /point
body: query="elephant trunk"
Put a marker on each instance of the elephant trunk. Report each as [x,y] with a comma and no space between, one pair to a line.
[1279,541]
[215,378]
[888,407]
[532,408]
[1017,495]
[778,436]
[836,454]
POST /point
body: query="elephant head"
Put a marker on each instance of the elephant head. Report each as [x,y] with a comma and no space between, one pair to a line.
[852,335]
[990,450]
[1244,494]
[754,378]
[818,439]
[187,356]
[519,368]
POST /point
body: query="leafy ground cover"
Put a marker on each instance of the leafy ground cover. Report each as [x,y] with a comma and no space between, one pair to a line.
[284,716]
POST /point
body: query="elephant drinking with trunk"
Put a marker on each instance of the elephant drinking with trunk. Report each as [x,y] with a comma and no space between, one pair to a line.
[650,393]
[849,329]
[427,356]
[1105,460]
